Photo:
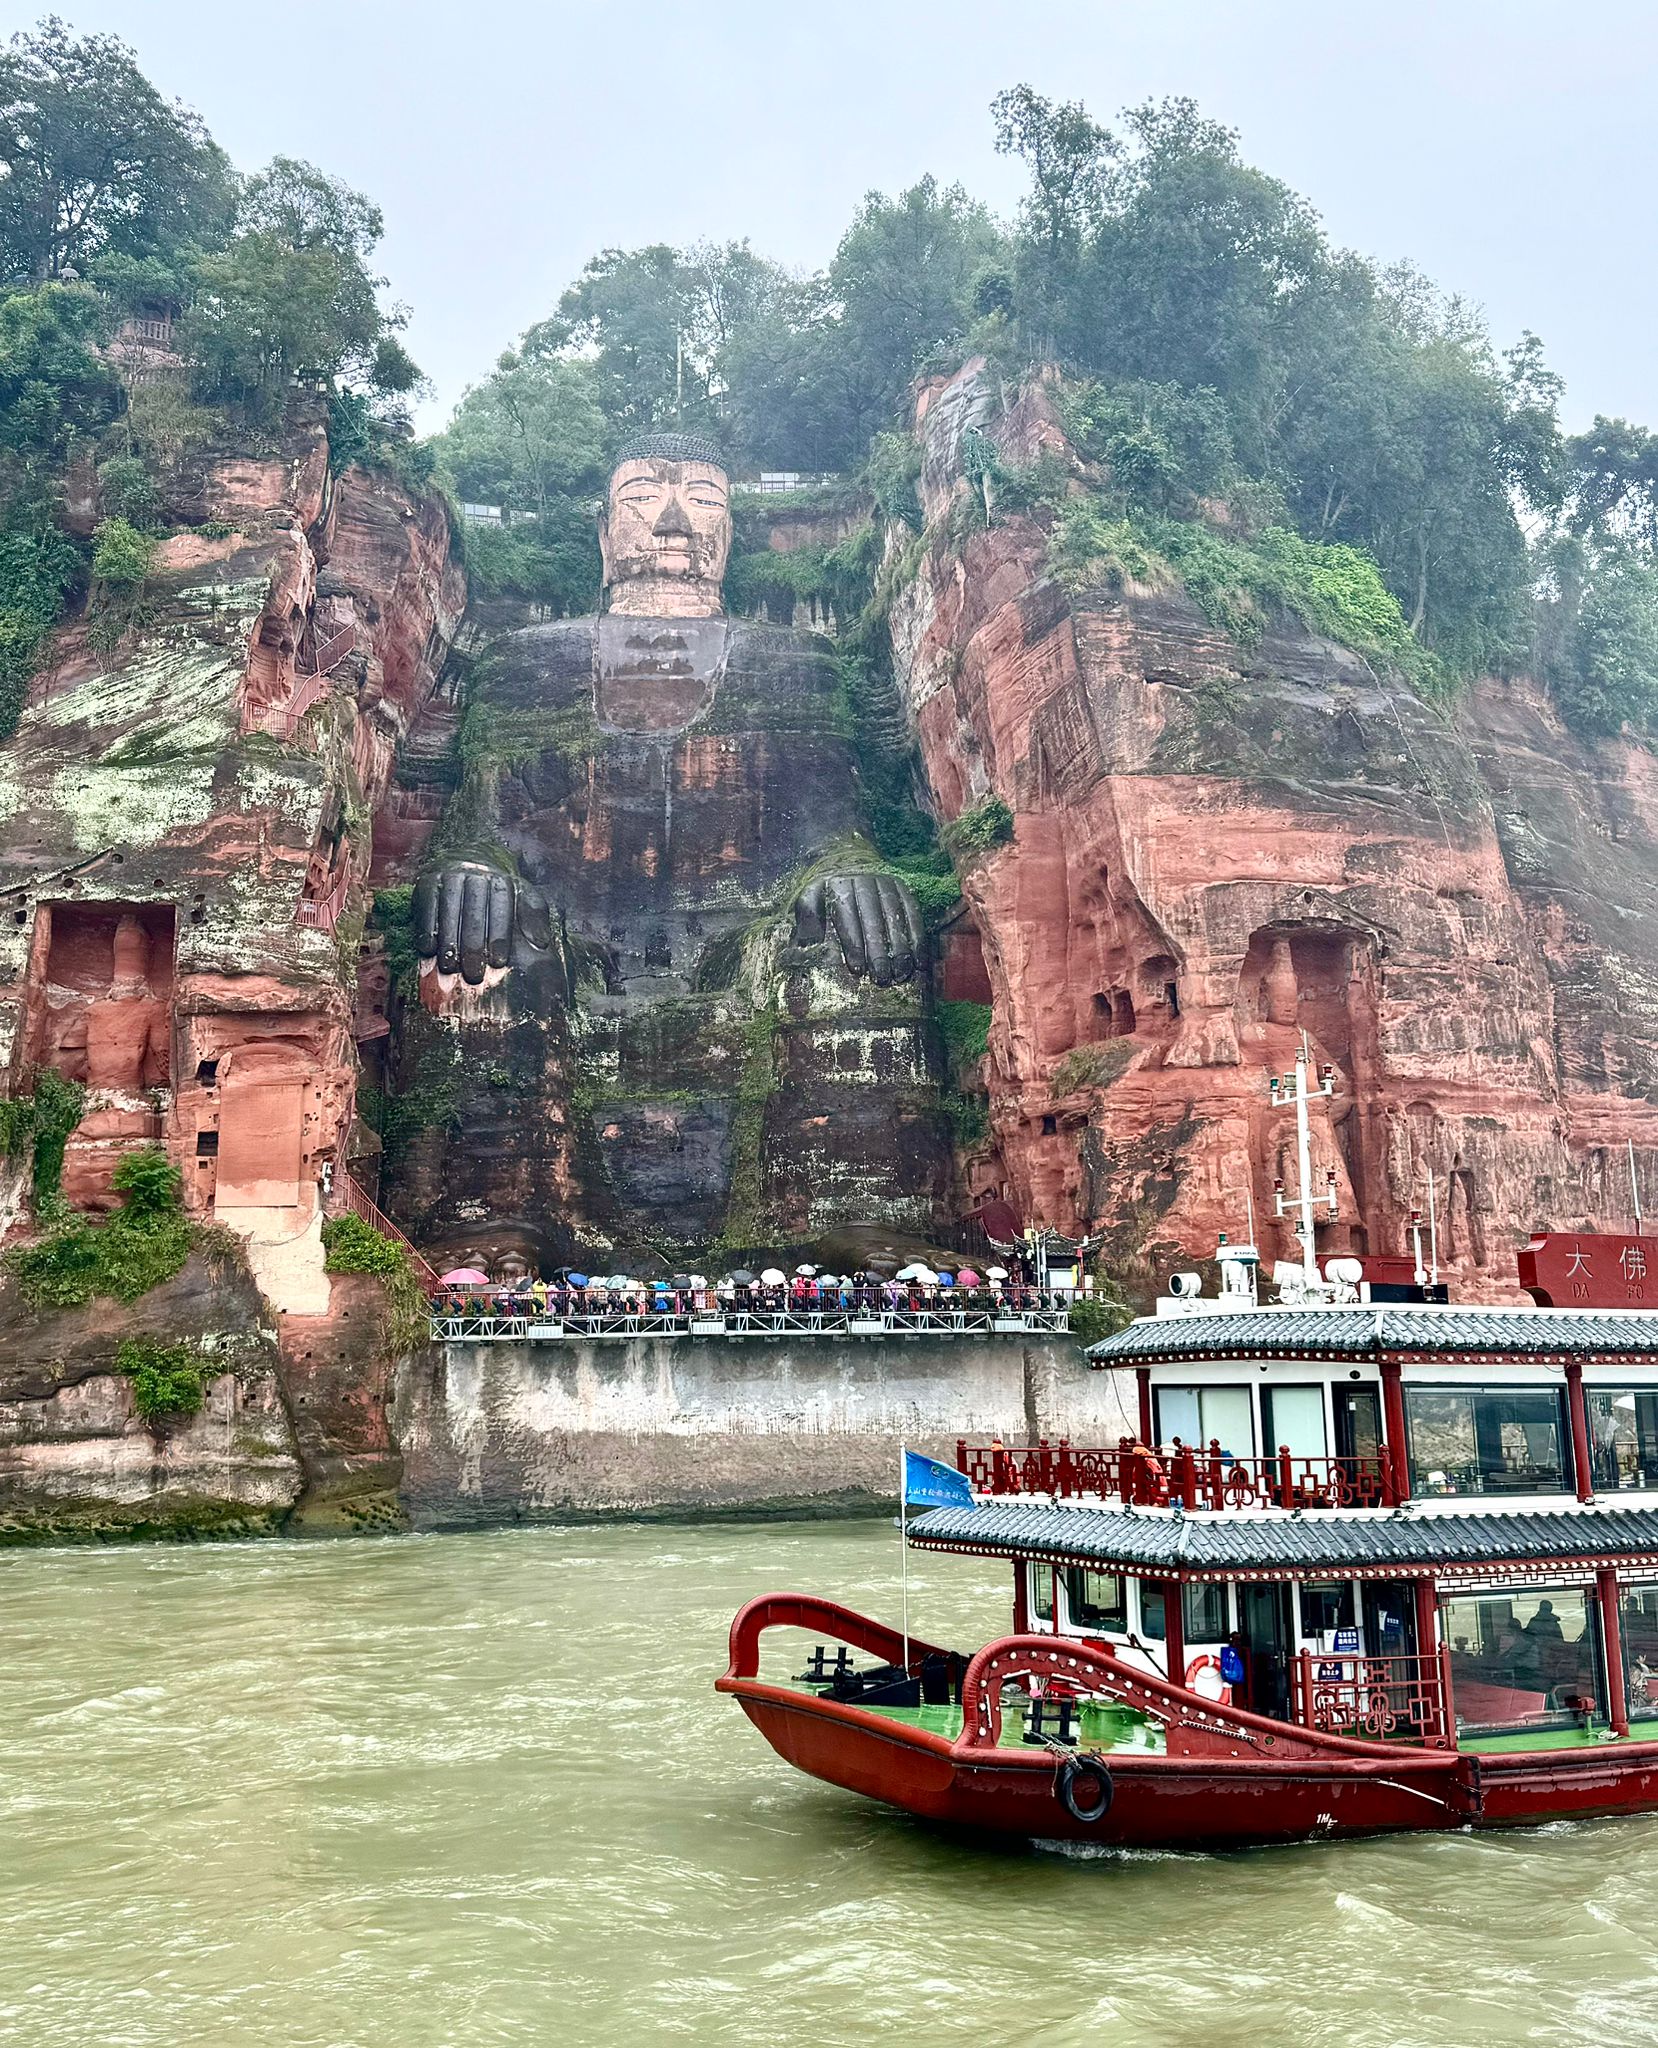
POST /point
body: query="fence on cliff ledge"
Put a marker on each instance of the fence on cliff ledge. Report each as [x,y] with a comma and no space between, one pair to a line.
[478,1327]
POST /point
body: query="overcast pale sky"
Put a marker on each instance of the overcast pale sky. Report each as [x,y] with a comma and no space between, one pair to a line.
[1508,147]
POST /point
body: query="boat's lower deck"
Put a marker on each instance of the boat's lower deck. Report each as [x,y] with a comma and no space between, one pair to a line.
[1120,1730]
[1097,1725]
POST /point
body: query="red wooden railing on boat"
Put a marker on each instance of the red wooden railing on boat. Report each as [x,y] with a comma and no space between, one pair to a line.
[1378,1698]
[1194,1727]
[1184,1473]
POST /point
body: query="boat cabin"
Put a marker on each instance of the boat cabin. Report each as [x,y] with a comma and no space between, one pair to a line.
[1398,1519]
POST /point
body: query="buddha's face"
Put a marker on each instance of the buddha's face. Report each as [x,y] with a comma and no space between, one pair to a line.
[666,535]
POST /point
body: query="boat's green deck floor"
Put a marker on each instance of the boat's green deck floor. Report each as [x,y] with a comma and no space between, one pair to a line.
[1113,1728]
[1097,1727]
[1556,1738]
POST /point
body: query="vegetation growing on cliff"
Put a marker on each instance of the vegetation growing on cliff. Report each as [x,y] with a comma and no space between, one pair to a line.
[40,1123]
[145,1242]
[1270,420]
[352,1246]
[151,301]
[169,1381]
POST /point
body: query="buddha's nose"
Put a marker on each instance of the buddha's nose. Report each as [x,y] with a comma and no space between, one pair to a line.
[673,521]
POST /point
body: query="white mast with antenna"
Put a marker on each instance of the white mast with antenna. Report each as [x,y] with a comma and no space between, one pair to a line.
[1283,1089]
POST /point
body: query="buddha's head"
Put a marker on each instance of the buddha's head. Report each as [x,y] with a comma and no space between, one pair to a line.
[665,531]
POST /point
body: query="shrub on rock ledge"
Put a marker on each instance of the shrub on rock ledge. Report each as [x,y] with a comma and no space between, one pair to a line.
[168,1380]
[353,1246]
[145,1242]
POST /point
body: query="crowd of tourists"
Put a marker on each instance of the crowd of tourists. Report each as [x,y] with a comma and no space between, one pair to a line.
[918,1293]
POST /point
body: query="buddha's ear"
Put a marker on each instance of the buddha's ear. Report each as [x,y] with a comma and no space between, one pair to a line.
[604,539]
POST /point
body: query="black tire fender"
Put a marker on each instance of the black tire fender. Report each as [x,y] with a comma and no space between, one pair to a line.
[1074,1782]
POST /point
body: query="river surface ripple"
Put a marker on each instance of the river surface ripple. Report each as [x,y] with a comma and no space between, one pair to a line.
[477,1789]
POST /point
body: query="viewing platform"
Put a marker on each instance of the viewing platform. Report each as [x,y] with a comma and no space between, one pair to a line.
[469,1326]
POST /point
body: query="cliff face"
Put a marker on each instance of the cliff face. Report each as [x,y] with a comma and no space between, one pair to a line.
[1217,849]
[185,835]
[76,1460]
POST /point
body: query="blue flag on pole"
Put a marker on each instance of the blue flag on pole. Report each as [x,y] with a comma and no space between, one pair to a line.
[928,1484]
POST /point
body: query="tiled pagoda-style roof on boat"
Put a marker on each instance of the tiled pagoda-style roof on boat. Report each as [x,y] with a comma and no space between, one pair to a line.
[1372,1331]
[1287,1545]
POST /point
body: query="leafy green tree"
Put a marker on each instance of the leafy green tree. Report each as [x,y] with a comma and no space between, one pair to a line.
[291,294]
[529,435]
[1070,158]
[93,161]
[1597,638]
[659,324]
[55,391]
[1613,471]
[823,365]
[532,439]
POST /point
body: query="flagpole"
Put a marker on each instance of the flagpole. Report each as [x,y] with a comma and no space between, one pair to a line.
[904,1544]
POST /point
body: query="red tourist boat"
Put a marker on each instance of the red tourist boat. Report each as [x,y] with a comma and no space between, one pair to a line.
[1371,1562]
[1434,1604]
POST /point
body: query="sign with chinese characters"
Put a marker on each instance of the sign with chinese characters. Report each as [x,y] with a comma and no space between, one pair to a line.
[1329,1673]
[1580,1269]
[1347,1641]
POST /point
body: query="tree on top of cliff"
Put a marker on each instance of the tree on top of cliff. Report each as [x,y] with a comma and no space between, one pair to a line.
[291,294]
[788,372]
[96,164]
[533,439]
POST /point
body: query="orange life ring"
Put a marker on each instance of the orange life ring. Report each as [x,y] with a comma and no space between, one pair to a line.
[1222,1696]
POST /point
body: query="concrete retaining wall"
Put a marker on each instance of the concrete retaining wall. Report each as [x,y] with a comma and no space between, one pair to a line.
[512,1431]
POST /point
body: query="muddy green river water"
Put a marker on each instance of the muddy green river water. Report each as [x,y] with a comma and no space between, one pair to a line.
[477,1789]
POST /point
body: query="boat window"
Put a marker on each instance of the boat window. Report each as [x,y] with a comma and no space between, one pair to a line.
[1201,1415]
[1204,1614]
[1293,1418]
[1623,1437]
[1096,1600]
[1042,1591]
[1639,1615]
[1154,1614]
[1522,1660]
[1485,1439]
[1326,1605]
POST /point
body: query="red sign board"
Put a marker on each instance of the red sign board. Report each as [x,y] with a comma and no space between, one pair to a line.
[1580,1269]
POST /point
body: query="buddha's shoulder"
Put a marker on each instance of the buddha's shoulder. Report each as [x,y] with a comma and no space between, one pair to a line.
[780,655]
[760,639]
[541,657]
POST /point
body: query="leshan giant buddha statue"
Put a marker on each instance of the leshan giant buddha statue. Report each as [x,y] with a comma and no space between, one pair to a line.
[668,998]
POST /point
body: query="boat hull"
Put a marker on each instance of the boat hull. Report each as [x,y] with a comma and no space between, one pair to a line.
[1226,1777]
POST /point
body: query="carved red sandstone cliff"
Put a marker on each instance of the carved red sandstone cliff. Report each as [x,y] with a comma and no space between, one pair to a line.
[1218,849]
[184,853]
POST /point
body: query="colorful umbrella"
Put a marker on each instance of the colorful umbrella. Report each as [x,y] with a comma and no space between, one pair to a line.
[465,1276]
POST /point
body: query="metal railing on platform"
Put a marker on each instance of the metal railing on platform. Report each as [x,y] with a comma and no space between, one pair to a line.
[1151,1476]
[469,1326]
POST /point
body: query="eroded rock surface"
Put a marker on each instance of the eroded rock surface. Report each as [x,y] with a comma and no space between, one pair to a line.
[185,837]
[1216,850]
[76,1459]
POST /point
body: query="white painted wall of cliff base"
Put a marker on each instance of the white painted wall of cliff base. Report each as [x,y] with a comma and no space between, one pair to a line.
[500,1431]
[286,1255]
